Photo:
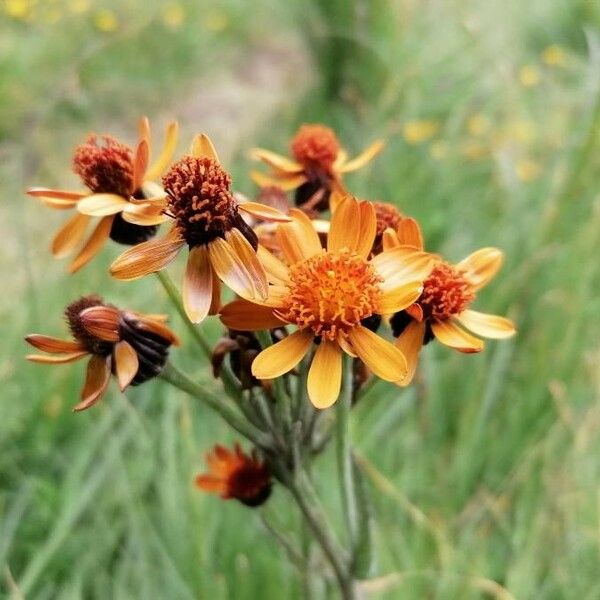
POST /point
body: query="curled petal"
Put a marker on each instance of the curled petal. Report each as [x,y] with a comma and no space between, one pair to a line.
[54,345]
[126,363]
[162,162]
[481,266]
[96,381]
[93,245]
[410,343]
[247,316]
[202,147]
[325,375]
[101,205]
[197,284]
[488,326]
[383,358]
[450,334]
[102,322]
[283,356]
[366,156]
[69,235]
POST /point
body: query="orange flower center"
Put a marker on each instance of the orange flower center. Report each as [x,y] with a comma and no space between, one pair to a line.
[200,199]
[315,147]
[105,165]
[331,293]
[446,292]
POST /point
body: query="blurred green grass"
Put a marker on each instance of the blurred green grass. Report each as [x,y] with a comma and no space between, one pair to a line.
[487,469]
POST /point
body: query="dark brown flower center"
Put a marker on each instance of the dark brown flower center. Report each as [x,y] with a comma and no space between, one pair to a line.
[446,292]
[200,199]
[80,333]
[105,165]
[315,147]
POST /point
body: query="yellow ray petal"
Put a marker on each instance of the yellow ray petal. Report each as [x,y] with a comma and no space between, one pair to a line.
[481,266]
[144,214]
[144,130]
[345,226]
[247,316]
[367,155]
[276,271]
[400,297]
[390,240]
[298,240]
[148,257]
[450,334]
[340,159]
[140,164]
[58,359]
[46,343]
[215,304]
[42,192]
[485,325]
[285,182]
[383,358]
[249,259]
[102,205]
[126,363]
[93,245]
[283,356]
[96,381]
[264,212]
[402,265]
[69,235]
[166,155]
[409,233]
[202,147]
[197,284]
[368,229]
[279,162]
[325,375]
[102,322]
[410,343]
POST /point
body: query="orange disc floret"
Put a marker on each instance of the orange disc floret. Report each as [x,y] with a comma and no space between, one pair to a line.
[331,293]
[315,146]
[105,165]
[446,292]
[200,199]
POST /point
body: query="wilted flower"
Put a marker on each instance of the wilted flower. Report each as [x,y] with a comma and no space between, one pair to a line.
[234,474]
[317,167]
[122,190]
[222,246]
[331,296]
[131,345]
[442,309]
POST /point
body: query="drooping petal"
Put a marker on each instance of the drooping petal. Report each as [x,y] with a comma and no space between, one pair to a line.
[264,212]
[202,147]
[382,357]
[58,359]
[62,199]
[46,343]
[249,259]
[481,266]
[285,182]
[279,162]
[410,343]
[148,257]
[450,334]
[146,214]
[402,265]
[162,162]
[325,375]
[345,226]
[101,205]
[102,322]
[409,233]
[298,239]
[367,155]
[485,325]
[69,235]
[400,297]
[283,356]
[126,363]
[215,304]
[247,316]
[197,284]
[96,381]
[93,245]
[140,164]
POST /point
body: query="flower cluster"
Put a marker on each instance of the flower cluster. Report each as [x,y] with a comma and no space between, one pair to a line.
[298,285]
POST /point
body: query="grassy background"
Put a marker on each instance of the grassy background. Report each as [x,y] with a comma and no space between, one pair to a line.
[485,471]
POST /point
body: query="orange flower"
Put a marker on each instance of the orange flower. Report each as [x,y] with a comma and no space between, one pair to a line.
[330,295]
[123,194]
[207,218]
[234,474]
[442,310]
[131,345]
[317,167]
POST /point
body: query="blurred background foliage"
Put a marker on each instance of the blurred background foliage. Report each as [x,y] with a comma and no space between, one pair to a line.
[485,475]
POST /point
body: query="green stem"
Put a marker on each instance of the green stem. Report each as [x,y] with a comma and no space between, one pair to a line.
[182,381]
[344,453]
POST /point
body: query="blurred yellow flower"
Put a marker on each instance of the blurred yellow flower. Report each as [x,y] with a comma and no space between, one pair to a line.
[18,9]
[529,76]
[474,150]
[554,56]
[216,21]
[420,130]
[106,21]
[173,15]
[438,150]
[79,6]
[528,170]
[478,125]
[521,131]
